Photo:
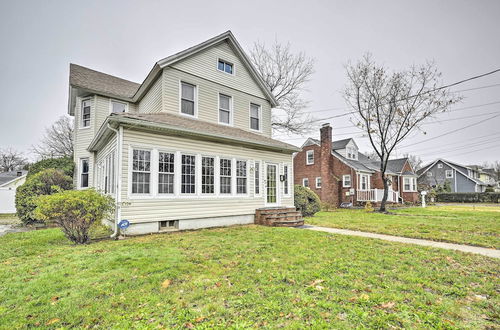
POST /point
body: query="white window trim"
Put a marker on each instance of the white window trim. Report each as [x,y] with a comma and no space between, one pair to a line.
[446,174]
[413,184]
[117,101]
[231,109]
[343,181]
[195,99]
[153,169]
[318,179]
[196,174]
[236,160]
[225,62]
[250,117]
[157,172]
[201,175]
[307,157]
[368,186]
[80,126]
[80,166]
[440,165]
[259,178]
[304,183]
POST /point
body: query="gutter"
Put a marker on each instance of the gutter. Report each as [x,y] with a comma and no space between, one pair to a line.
[119,138]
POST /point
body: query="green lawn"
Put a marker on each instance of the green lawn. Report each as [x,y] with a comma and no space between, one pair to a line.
[241,277]
[453,223]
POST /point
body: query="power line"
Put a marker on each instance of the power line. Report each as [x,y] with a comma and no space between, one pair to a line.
[460,142]
[469,152]
[464,147]
[451,132]
[415,95]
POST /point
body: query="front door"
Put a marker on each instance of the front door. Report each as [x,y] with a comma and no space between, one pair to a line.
[271,184]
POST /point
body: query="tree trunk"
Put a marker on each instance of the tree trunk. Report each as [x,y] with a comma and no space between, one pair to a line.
[386,193]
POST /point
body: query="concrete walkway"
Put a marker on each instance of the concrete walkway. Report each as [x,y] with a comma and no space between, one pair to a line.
[442,245]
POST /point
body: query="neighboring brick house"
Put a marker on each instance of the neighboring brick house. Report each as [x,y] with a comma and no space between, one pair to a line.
[339,173]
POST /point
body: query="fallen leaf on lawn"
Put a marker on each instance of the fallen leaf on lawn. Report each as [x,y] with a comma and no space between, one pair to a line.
[200,319]
[387,305]
[189,325]
[313,283]
[165,284]
[52,321]
[319,288]
[55,298]
[218,284]
[364,297]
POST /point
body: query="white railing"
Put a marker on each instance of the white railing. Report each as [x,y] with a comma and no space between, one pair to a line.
[376,195]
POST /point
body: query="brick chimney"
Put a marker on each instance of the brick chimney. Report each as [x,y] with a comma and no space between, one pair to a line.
[326,136]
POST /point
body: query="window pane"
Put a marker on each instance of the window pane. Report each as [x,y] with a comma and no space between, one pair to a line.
[257,178]
[224,101]
[285,173]
[220,65]
[254,111]
[254,123]
[187,92]
[141,164]
[207,175]
[118,107]
[187,107]
[224,116]
[188,174]
[229,68]
[241,177]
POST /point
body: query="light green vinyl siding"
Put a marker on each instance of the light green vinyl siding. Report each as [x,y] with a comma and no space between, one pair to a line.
[208,100]
[156,208]
[151,102]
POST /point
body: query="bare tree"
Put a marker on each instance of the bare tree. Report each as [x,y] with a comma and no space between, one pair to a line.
[389,106]
[415,161]
[285,74]
[11,160]
[57,141]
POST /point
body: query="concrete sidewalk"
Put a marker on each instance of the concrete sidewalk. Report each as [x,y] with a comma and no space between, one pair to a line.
[442,245]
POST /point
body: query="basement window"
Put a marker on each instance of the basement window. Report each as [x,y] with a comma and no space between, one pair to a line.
[169,224]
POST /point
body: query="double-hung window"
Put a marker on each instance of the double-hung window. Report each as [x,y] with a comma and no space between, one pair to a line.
[225,66]
[188,174]
[207,175]
[86,113]
[364,182]
[286,188]
[141,171]
[305,182]
[255,117]
[449,174]
[84,173]
[318,182]
[225,176]
[188,95]
[257,178]
[225,109]
[166,171]
[409,184]
[241,177]
[346,181]
[310,157]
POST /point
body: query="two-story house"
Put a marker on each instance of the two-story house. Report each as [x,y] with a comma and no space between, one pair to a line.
[460,178]
[190,147]
[339,173]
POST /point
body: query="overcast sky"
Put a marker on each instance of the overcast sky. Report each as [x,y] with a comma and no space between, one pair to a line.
[40,38]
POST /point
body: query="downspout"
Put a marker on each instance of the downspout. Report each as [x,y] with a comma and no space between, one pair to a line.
[119,136]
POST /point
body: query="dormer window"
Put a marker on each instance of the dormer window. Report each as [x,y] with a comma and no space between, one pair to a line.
[352,153]
[225,66]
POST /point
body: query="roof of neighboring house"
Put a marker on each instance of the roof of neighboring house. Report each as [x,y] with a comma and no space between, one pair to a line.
[340,144]
[181,125]
[101,83]
[7,177]
[455,166]
[96,81]
[396,165]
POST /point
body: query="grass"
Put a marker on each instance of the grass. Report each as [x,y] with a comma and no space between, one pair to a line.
[9,219]
[241,277]
[452,223]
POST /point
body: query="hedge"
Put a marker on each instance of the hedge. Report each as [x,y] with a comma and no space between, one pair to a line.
[485,197]
[64,164]
[306,201]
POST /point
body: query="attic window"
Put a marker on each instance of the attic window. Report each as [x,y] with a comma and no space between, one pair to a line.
[118,107]
[225,66]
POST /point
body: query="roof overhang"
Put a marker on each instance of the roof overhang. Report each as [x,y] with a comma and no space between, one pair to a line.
[105,132]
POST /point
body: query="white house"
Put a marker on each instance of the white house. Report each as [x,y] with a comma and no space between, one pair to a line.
[9,181]
[190,147]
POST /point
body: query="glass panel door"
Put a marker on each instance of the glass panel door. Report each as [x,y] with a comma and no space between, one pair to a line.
[271,186]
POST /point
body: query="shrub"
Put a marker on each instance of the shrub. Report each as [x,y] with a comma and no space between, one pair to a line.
[489,189]
[485,197]
[75,211]
[306,201]
[43,183]
[64,164]
[368,207]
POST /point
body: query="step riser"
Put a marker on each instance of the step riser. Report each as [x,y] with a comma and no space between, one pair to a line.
[276,217]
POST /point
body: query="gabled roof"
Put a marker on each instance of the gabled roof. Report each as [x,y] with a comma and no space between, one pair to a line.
[310,142]
[396,165]
[101,83]
[175,124]
[341,144]
[453,165]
